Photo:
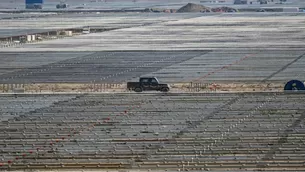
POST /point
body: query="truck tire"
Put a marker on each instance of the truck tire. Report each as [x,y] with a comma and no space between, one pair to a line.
[138,89]
[165,89]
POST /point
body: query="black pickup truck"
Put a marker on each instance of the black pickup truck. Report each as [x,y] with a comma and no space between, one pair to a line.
[147,84]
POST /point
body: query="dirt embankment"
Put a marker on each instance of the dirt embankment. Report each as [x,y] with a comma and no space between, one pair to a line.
[108,87]
[191,8]
[228,87]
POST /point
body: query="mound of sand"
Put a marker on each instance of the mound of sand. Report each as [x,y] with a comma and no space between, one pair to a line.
[190,7]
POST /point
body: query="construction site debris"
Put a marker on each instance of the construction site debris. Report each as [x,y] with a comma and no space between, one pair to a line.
[160,10]
[224,9]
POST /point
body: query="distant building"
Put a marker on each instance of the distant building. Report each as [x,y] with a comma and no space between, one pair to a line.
[253,2]
[33,4]
[217,1]
[240,2]
[271,1]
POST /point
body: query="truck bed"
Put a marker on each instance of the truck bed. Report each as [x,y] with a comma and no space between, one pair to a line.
[132,85]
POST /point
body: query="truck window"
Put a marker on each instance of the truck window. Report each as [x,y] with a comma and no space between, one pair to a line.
[144,80]
[154,80]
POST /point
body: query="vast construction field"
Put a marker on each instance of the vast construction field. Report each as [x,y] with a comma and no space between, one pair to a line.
[174,132]
[249,56]
[178,48]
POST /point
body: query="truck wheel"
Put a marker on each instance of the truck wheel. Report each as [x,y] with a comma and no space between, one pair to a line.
[138,89]
[165,89]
